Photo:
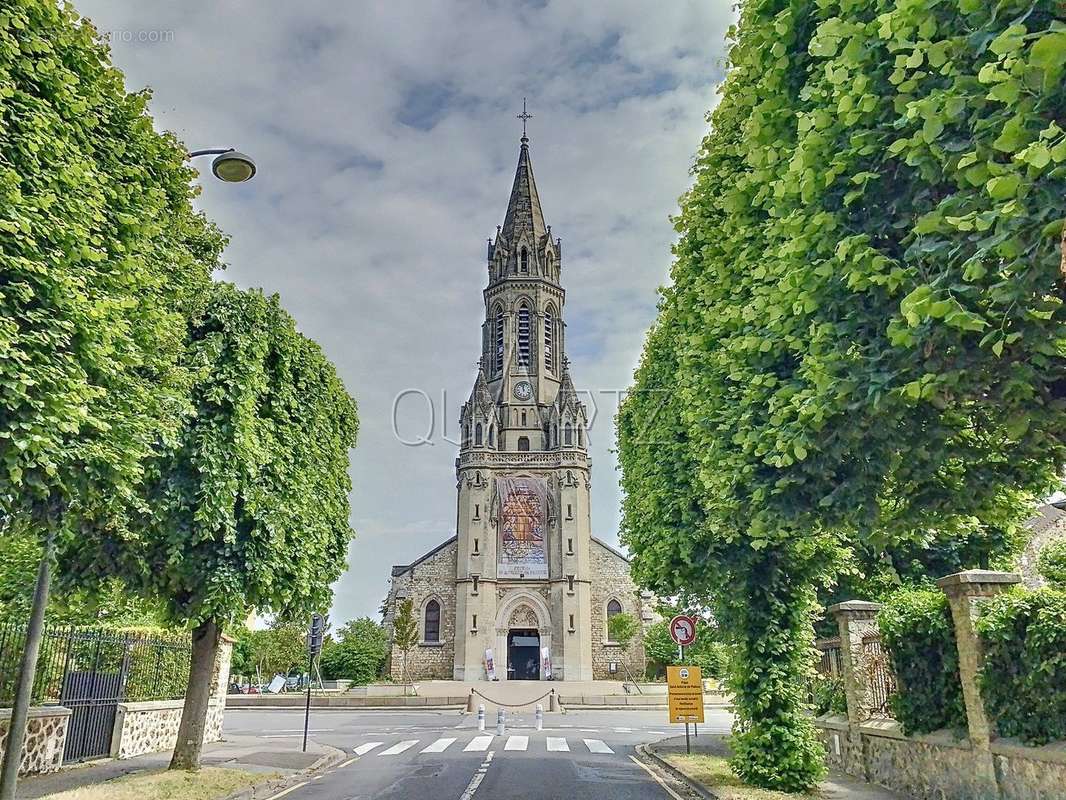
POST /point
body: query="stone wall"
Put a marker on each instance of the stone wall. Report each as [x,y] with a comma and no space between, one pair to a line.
[152,726]
[611,580]
[967,765]
[940,765]
[431,578]
[46,737]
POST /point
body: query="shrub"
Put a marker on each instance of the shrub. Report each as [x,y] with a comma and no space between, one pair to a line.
[917,632]
[1023,678]
[827,695]
[1052,564]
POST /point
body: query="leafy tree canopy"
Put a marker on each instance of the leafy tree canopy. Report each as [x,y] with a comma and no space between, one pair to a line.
[102,260]
[864,337]
[359,652]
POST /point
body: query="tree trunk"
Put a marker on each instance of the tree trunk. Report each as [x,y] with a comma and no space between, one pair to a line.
[27,671]
[205,642]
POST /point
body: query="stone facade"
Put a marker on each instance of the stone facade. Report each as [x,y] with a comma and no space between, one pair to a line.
[432,577]
[46,737]
[611,581]
[523,577]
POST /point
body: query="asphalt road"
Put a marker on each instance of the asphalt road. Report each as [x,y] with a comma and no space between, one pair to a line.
[440,755]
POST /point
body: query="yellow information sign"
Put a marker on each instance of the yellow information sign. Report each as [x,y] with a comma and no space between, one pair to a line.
[685,689]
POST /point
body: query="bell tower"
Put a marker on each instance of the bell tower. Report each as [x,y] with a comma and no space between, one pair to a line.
[523,571]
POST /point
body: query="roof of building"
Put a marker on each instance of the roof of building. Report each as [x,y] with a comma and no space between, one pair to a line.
[606,546]
[524,213]
[400,569]
[1046,516]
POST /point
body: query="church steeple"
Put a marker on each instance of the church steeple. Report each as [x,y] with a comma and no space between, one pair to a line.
[524,214]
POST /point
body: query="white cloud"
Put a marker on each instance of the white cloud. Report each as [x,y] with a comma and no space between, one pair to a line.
[386,143]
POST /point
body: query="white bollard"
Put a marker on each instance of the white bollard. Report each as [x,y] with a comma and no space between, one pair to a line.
[481,717]
[501,720]
[540,717]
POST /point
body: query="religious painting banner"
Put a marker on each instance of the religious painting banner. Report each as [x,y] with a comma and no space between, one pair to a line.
[522,551]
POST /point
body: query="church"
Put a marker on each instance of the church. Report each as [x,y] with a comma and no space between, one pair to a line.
[523,591]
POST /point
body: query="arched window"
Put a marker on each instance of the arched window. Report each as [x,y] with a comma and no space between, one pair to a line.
[613,607]
[466,434]
[549,323]
[523,444]
[524,261]
[498,360]
[477,435]
[568,435]
[580,436]
[523,419]
[492,436]
[523,334]
[432,626]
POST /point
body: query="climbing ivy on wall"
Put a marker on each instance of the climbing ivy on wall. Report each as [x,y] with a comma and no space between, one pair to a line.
[864,336]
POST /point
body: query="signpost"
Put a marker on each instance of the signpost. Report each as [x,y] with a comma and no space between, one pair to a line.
[315,635]
[685,692]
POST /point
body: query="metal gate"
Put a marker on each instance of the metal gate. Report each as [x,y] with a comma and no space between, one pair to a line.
[91,671]
[93,699]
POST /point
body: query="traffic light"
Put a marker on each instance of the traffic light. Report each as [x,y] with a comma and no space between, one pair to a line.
[315,635]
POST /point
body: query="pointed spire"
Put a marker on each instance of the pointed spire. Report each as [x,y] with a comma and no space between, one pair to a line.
[524,214]
[481,396]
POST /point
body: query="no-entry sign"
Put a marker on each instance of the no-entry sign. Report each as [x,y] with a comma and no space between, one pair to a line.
[683,630]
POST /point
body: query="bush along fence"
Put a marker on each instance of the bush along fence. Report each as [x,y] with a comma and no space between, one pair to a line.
[957,691]
[103,692]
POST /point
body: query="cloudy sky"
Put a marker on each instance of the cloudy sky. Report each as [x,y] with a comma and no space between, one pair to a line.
[386,140]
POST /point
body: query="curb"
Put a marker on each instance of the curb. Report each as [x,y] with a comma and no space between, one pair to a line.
[648,751]
[330,758]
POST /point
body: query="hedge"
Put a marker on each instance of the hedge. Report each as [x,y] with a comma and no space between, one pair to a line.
[918,633]
[1023,677]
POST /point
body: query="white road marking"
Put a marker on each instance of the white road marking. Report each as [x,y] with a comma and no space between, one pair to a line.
[399,747]
[623,730]
[287,791]
[440,745]
[657,779]
[479,776]
[479,744]
[557,744]
[363,749]
[589,730]
[517,743]
[597,746]
[349,762]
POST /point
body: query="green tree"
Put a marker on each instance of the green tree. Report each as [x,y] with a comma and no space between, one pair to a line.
[864,334]
[102,261]
[249,506]
[405,632]
[359,652]
[279,648]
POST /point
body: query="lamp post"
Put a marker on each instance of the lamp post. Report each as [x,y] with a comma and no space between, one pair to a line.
[229,165]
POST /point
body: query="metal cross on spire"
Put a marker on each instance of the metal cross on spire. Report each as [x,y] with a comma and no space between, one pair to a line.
[525,116]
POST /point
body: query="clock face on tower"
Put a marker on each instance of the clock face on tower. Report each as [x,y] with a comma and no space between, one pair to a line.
[523,391]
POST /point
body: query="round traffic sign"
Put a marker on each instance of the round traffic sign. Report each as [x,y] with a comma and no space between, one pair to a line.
[683,629]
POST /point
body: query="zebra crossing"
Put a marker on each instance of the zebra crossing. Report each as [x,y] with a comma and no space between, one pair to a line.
[480,744]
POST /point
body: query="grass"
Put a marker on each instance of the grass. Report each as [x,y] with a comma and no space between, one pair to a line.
[714,773]
[209,783]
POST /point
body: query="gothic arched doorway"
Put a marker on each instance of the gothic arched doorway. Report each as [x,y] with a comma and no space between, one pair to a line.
[524,637]
[523,654]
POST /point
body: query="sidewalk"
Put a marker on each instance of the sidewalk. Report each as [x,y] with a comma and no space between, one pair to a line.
[251,753]
[836,786]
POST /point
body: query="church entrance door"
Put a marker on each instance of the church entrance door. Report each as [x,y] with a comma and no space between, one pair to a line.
[523,655]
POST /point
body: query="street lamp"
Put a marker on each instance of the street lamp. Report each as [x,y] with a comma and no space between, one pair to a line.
[229,165]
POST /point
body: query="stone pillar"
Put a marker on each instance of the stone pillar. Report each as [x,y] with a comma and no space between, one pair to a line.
[965,591]
[855,619]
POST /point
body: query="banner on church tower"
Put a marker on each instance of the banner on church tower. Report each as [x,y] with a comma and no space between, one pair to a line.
[522,550]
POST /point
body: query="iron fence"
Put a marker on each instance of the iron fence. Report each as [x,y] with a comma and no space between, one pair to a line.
[879,675]
[831,662]
[91,671]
